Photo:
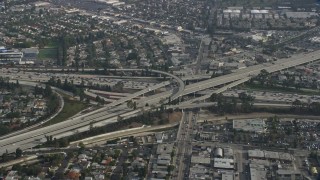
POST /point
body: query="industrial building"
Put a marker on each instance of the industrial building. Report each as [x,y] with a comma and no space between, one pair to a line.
[218,153]
[271,155]
[17,57]
[200,160]
[257,171]
[30,54]
[10,56]
[223,163]
[291,174]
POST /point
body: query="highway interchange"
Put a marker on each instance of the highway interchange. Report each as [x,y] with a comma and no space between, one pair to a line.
[110,112]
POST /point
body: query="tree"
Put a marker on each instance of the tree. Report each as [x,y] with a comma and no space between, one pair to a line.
[63,142]
[246,101]
[4,129]
[77,58]
[274,123]
[5,156]
[118,86]
[41,12]
[263,76]
[18,152]
[81,146]
[142,172]
[59,83]
[213,97]
[63,42]
[91,56]
[97,98]
[17,167]
[297,105]
[47,91]
[170,168]
[117,153]
[314,107]
[298,86]
[172,154]
[130,104]
[134,105]
[234,104]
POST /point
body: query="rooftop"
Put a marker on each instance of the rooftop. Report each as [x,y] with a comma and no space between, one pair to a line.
[258,172]
[285,156]
[271,155]
[200,160]
[301,14]
[223,163]
[164,148]
[256,153]
[255,125]
[227,176]
[287,171]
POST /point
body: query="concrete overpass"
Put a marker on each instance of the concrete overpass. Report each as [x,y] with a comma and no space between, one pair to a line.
[107,115]
[176,78]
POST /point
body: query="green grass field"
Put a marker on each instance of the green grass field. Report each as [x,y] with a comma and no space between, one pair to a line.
[47,53]
[52,45]
[71,107]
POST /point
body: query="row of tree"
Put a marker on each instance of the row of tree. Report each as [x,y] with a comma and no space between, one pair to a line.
[230,104]
[306,107]
[6,84]
[53,99]
[67,86]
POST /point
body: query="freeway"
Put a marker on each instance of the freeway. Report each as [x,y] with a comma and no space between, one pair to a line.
[31,139]
[93,95]
[195,77]
[220,90]
[208,104]
[67,128]
[109,93]
[243,75]
[239,74]
[131,96]
[107,114]
[252,71]
[246,73]
[28,140]
[174,95]
[123,133]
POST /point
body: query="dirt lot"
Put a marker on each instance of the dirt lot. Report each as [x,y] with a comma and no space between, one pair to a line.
[132,125]
[175,117]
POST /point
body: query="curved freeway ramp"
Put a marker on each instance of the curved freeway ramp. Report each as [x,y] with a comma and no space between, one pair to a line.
[173,96]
